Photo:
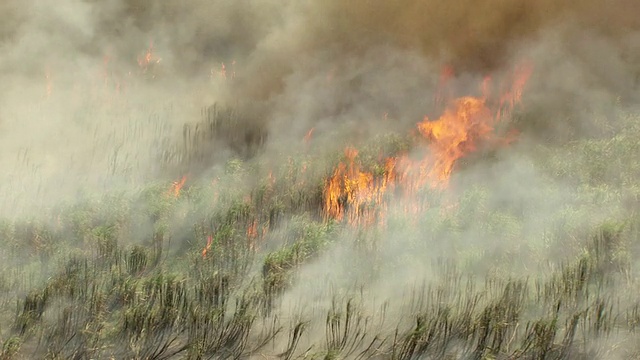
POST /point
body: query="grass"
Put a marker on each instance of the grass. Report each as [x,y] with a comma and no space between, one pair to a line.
[124,276]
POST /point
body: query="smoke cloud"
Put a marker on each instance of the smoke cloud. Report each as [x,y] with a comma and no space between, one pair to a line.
[334,66]
[100,96]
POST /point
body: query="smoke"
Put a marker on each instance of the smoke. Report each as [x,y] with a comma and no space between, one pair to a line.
[299,65]
[101,96]
[97,92]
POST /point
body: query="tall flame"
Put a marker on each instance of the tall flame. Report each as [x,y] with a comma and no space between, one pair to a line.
[467,123]
[349,185]
[455,134]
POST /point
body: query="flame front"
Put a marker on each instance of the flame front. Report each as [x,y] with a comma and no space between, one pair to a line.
[467,123]
[355,188]
[455,134]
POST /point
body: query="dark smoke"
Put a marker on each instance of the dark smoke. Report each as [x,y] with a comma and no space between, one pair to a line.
[82,115]
[335,66]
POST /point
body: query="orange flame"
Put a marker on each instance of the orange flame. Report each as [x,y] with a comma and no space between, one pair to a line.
[308,135]
[443,92]
[455,134]
[350,192]
[177,186]
[223,71]
[148,59]
[514,95]
[208,247]
[252,230]
[252,234]
[358,197]
[271,179]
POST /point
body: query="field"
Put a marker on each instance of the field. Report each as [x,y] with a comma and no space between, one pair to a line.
[365,187]
[211,270]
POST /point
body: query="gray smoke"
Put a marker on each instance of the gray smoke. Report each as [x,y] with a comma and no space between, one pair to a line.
[77,108]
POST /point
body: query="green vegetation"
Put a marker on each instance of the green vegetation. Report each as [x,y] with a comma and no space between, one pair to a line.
[547,273]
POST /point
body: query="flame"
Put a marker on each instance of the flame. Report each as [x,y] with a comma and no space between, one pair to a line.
[308,135]
[208,247]
[271,179]
[252,234]
[177,186]
[513,96]
[351,192]
[148,59]
[466,124]
[252,230]
[223,71]
[455,134]
[443,92]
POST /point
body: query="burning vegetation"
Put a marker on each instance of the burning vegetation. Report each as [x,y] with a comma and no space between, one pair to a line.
[277,192]
[467,125]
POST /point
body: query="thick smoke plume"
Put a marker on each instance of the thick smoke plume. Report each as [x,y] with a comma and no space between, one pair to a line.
[99,96]
[330,65]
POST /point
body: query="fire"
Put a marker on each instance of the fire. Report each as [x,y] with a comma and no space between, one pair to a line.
[222,73]
[351,192]
[177,186]
[455,134]
[271,179]
[513,96]
[252,234]
[443,93]
[308,135]
[148,59]
[208,247]
[465,126]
